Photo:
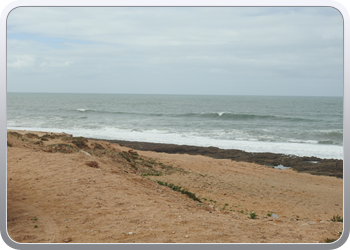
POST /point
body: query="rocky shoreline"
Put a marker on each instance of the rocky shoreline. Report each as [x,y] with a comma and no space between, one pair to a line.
[311,165]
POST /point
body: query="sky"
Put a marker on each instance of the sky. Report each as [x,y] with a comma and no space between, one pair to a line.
[294,51]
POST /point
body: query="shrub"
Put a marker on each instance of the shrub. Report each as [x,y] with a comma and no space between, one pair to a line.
[330,240]
[98,146]
[252,215]
[31,135]
[337,218]
[15,134]
[79,142]
[46,137]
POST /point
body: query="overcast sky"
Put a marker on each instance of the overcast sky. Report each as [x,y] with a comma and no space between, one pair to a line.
[177,50]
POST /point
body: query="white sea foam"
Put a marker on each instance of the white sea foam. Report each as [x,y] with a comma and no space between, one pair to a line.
[81,110]
[162,136]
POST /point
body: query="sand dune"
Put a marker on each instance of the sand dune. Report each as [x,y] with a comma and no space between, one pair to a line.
[74,190]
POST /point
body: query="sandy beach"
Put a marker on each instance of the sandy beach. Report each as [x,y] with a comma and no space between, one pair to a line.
[65,189]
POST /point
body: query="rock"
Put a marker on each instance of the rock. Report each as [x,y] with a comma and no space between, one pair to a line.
[69,239]
[84,152]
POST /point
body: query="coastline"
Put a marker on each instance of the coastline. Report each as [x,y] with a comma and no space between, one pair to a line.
[66,189]
[311,165]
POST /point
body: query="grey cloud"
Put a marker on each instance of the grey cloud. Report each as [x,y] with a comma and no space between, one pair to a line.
[177,50]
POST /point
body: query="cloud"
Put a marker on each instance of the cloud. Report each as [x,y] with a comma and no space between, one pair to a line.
[120,46]
[22,61]
[55,64]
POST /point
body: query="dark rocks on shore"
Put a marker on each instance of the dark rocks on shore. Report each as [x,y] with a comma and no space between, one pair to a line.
[311,165]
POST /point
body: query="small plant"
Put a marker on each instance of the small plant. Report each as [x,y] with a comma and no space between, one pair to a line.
[269,214]
[46,137]
[147,165]
[80,142]
[252,215]
[337,218]
[125,156]
[330,240]
[272,186]
[98,146]
[224,207]
[10,179]
[9,144]
[35,226]
[15,134]
[152,174]
[31,135]
[241,211]
[34,218]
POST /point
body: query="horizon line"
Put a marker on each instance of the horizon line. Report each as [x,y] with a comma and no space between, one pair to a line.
[171,94]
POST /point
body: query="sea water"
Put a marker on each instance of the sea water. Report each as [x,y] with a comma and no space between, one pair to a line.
[302,126]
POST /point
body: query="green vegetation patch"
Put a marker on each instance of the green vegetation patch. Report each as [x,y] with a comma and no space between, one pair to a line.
[46,137]
[178,189]
[337,218]
[31,135]
[330,240]
[80,142]
[61,147]
[125,156]
[252,215]
[152,174]
[15,134]
[98,146]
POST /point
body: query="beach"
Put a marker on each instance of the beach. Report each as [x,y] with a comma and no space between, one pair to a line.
[67,189]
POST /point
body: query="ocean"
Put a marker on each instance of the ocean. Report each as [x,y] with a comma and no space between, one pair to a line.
[302,126]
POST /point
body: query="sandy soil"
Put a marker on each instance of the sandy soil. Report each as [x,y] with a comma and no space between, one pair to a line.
[55,194]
